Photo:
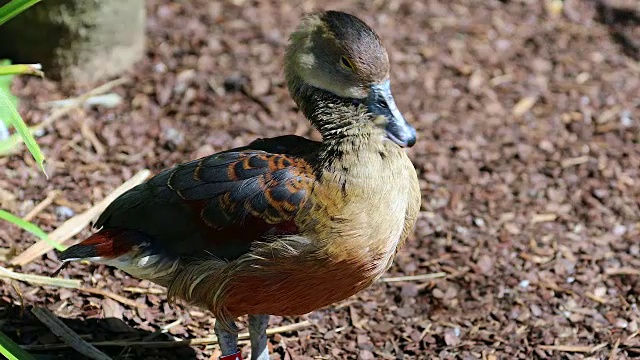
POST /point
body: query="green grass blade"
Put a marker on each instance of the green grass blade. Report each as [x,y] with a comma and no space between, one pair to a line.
[5,83]
[11,350]
[13,8]
[30,227]
[21,69]
[11,116]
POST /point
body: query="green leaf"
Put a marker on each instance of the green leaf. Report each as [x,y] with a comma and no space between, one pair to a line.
[5,83]
[11,350]
[13,8]
[8,72]
[30,227]
[10,115]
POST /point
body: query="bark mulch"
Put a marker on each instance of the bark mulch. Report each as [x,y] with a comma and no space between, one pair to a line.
[528,157]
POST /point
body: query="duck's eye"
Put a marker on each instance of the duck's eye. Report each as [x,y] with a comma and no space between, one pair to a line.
[346,63]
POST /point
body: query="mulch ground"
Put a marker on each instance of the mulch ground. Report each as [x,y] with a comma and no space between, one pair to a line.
[528,157]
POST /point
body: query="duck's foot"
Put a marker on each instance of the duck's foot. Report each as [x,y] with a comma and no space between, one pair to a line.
[228,341]
[258,334]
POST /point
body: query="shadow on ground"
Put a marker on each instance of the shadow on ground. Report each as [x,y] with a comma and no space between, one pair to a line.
[620,21]
[26,329]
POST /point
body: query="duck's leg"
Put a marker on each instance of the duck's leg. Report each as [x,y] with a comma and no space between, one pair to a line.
[228,341]
[258,334]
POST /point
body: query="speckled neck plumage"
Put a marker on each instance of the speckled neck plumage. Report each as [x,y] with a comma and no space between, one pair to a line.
[332,115]
[345,126]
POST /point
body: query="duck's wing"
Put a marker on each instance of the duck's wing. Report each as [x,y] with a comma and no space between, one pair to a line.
[216,206]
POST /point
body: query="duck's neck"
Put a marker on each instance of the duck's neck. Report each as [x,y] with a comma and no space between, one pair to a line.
[333,116]
[344,125]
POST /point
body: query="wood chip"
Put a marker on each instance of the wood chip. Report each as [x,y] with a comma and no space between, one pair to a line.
[524,105]
[554,7]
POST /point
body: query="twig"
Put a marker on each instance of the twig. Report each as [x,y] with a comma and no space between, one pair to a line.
[109,101]
[622,271]
[67,335]
[245,335]
[163,330]
[139,290]
[170,325]
[77,223]
[573,348]
[595,298]
[51,196]
[284,328]
[74,103]
[598,347]
[538,218]
[170,344]
[116,297]
[574,161]
[87,132]
[420,277]
[612,354]
[39,280]
[567,348]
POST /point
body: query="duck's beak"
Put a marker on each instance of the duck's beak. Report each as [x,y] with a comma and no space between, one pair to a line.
[381,102]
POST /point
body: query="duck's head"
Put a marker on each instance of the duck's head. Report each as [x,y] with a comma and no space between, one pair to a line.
[335,59]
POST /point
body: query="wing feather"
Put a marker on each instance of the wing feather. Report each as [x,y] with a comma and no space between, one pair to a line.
[218,205]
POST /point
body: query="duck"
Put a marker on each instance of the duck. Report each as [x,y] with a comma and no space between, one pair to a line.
[285,225]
